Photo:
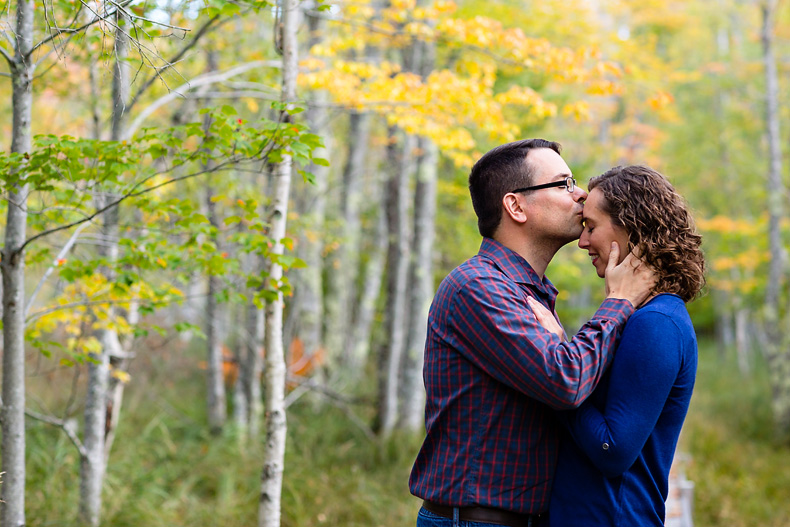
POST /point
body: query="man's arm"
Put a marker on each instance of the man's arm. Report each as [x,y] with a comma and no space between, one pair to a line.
[496,331]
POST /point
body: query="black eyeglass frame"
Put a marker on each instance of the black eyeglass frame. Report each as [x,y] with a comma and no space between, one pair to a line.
[569,183]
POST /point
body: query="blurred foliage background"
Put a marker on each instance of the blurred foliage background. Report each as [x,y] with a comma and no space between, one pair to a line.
[396,101]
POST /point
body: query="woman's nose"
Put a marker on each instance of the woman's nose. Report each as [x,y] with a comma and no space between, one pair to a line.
[584,242]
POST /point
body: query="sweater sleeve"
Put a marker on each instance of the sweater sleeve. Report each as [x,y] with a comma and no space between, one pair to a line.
[643,372]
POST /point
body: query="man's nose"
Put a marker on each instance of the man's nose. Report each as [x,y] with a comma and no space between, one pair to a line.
[579,195]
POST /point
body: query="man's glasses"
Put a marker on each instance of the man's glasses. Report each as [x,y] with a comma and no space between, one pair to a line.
[569,183]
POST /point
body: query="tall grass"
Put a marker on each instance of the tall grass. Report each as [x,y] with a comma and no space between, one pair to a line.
[740,468]
[166,470]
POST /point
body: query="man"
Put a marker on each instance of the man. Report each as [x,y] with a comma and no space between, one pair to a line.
[492,373]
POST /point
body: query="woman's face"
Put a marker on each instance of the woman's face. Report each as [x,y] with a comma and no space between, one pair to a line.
[599,233]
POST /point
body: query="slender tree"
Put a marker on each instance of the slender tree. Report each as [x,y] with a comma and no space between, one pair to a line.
[778,357]
[275,370]
[412,393]
[400,160]
[13,269]
[93,463]
[309,298]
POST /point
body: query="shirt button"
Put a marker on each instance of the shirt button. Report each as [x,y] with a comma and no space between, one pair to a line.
[605,446]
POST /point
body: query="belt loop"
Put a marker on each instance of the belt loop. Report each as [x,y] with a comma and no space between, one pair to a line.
[456,517]
[529,521]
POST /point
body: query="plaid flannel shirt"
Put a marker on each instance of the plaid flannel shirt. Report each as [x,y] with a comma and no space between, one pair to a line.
[492,377]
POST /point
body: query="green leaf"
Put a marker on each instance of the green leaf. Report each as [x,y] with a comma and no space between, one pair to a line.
[230,10]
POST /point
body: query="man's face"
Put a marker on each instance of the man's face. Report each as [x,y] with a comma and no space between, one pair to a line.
[554,213]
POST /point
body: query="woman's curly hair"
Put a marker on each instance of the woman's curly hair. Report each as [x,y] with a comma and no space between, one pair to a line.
[659,226]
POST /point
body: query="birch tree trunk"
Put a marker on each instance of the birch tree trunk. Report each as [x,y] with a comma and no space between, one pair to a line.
[373,274]
[399,158]
[255,334]
[241,401]
[93,463]
[215,385]
[344,263]
[12,506]
[309,298]
[269,511]
[412,396]
[779,358]
[216,398]
[421,288]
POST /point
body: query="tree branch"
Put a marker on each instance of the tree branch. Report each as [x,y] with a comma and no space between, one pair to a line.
[89,303]
[132,193]
[177,57]
[9,58]
[333,397]
[67,426]
[155,22]
[97,18]
[66,248]
[201,80]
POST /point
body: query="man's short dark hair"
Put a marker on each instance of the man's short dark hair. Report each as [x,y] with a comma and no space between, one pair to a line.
[499,171]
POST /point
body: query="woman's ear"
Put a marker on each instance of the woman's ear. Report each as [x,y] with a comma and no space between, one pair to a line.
[514,207]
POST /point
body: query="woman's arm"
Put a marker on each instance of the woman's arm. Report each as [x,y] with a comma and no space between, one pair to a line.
[644,370]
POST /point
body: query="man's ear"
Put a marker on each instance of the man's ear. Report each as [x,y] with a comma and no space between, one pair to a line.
[514,207]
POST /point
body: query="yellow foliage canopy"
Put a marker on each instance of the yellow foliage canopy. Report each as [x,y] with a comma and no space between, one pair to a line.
[469,92]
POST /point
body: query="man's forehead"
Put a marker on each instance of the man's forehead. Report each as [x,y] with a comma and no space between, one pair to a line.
[547,164]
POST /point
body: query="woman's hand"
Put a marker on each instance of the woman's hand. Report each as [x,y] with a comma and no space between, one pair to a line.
[546,318]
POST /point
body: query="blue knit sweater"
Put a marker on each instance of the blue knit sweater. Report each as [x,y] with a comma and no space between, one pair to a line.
[614,463]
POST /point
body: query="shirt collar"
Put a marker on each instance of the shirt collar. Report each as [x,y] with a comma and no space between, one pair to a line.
[515,266]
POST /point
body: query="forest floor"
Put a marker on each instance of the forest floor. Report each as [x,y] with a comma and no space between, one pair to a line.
[167,470]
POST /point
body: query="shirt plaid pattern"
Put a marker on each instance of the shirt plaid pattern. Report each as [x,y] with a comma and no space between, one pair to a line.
[492,377]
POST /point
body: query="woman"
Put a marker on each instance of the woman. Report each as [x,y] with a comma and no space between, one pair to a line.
[614,462]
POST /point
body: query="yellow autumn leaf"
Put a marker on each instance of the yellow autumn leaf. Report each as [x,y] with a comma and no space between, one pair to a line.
[660,100]
[121,375]
[579,110]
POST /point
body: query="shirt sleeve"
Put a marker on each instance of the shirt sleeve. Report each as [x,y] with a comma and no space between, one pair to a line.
[642,375]
[501,336]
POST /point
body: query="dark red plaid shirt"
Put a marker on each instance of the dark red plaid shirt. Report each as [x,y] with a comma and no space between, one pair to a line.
[493,376]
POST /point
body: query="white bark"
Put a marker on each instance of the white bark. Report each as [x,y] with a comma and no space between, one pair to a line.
[215,383]
[93,462]
[342,304]
[400,160]
[97,399]
[241,410]
[412,396]
[374,272]
[343,264]
[778,355]
[254,340]
[12,506]
[309,298]
[775,186]
[742,339]
[276,427]
[421,288]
